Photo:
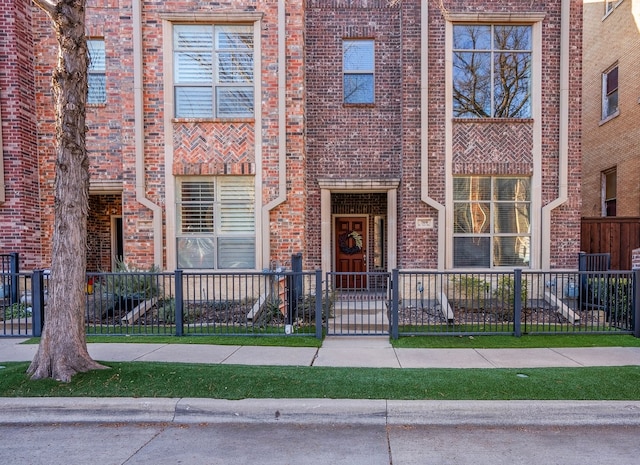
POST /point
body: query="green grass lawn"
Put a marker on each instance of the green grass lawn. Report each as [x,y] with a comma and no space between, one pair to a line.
[152,379]
[527,341]
[412,342]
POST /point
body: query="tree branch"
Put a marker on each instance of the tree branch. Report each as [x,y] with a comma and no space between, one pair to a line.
[49,6]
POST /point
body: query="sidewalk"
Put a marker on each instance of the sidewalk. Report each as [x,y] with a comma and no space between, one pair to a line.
[374,352]
[339,352]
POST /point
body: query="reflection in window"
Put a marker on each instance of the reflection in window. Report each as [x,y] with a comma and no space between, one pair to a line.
[491,221]
[97,72]
[610,92]
[358,67]
[491,71]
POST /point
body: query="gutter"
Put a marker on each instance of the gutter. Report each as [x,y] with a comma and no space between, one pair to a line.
[139,134]
[282,134]
[424,134]
[563,144]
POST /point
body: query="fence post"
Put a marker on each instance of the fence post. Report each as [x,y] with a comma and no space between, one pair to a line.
[636,303]
[14,269]
[294,289]
[37,302]
[179,307]
[517,302]
[395,284]
[319,304]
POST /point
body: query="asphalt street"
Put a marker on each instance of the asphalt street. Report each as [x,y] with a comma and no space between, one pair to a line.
[321,444]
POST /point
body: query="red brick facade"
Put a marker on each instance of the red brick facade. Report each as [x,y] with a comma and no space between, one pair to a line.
[323,141]
[20,221]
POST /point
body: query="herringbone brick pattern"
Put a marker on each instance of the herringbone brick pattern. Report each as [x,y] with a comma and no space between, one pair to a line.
[213,148]
[481,148]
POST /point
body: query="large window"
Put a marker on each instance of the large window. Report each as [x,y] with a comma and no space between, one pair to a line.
[358,67]
[610,92]
[492,226]
[216,222]
[96,72]
[491,71]
[213,70]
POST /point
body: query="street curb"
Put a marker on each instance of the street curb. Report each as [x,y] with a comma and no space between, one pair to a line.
[318,411]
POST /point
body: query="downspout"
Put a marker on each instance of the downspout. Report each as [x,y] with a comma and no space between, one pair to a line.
[563,143]
[139,134]
[282,135]
[424,133]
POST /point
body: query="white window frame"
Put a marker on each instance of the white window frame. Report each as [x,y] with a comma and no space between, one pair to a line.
[487,230]
[365,69]
[96,69]
[212,87]
[226,236]
[610,5]
[609,96]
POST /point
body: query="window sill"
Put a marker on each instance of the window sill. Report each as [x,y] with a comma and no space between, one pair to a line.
[609,118]
[493,120]
[97,105]
[213,120]
[358,105]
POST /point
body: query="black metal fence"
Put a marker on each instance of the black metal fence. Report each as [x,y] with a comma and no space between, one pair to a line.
[401,303]
[518,302]
[181,303]
[358,304]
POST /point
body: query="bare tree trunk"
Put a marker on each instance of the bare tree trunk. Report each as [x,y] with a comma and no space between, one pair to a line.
[63,347]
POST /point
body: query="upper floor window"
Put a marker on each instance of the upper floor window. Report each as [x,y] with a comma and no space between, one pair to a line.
[492,71]
[610,92]
[609,5]
[358,66]
[609,192]
[492,221]
[213,70]
[216,222]
[96,72]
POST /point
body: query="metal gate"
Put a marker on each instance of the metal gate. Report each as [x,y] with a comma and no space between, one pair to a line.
[359,304]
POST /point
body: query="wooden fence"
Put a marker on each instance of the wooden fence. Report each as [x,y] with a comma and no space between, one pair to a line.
[618,236]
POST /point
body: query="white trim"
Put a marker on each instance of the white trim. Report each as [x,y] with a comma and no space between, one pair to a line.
[535,20]
[170,179]
[424,136]
[357,186]
[139,136]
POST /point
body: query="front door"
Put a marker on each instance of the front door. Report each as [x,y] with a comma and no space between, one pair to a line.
[351,251]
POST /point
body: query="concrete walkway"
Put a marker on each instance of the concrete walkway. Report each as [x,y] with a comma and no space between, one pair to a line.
[374,352]
[337,352]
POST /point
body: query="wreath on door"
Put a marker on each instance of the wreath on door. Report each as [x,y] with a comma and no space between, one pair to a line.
[350,243]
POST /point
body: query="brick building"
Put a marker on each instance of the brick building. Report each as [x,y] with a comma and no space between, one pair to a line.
[366,134]
[611,109]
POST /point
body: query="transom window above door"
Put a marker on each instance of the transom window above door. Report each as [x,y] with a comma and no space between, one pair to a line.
[213,70]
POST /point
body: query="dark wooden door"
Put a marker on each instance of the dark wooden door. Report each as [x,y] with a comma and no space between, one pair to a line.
[350,251]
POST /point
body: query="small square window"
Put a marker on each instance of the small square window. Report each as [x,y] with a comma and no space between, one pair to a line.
[358,66]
